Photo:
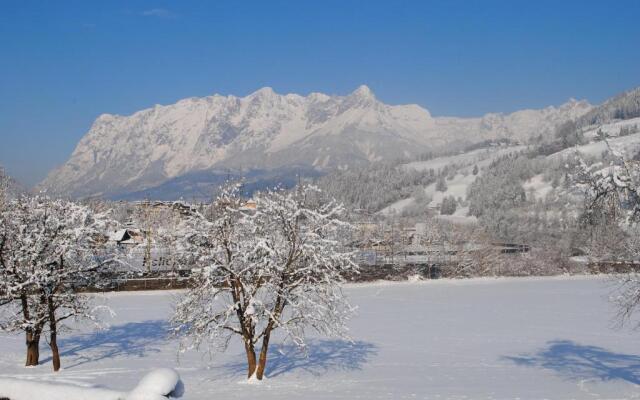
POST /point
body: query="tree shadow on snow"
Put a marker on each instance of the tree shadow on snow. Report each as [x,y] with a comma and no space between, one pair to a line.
[321,356]
[134,339]
[575,361]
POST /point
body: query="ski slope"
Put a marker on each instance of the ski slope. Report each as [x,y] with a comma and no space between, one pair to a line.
[537,338]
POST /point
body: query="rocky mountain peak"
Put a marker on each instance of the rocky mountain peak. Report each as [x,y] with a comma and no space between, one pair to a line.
[267,131]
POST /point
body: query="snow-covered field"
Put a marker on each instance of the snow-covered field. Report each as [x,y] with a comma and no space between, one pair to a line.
[625,144]
[542,338]
[480,157]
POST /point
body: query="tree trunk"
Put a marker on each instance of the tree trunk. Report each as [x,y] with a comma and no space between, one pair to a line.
[263,356]
[33,348]
[251,359]
[54,351]
[277,311]
[53,336]
[32,335]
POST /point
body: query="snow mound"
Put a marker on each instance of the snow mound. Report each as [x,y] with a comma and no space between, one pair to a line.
[24,389]
[159,384]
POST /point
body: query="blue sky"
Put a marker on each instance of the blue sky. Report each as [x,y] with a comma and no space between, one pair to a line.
[63,63]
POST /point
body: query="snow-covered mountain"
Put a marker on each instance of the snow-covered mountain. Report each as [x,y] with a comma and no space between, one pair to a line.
[266,131]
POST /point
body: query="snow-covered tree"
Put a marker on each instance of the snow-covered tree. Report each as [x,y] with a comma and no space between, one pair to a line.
[49,249]
[4,188]
[448,206]
[277,267]
[613,191]
[612,199]
[21,247]
[623,106]
[374,186]
[154,222]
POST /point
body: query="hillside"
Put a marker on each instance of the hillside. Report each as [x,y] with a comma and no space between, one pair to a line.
[537,186]
[458,180]
[125,156]
[621,107]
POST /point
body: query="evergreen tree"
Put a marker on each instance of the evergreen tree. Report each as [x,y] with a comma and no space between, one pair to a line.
[448,205]
[441,186]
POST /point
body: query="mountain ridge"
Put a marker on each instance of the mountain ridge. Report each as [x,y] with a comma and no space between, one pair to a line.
[266,131]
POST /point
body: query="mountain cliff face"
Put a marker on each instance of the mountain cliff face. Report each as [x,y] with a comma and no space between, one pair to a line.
[267,131]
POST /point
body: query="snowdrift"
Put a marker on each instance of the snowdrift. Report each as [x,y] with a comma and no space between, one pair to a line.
[159,384]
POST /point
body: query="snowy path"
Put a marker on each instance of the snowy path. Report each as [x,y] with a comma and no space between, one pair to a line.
[546,338]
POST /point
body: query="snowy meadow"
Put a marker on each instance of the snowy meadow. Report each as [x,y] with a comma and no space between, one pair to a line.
[506,338]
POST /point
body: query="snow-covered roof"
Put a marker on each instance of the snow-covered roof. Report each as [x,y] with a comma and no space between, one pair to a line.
[126,236]
[118,236]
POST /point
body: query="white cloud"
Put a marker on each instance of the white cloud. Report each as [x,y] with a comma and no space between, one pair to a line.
[158,12]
